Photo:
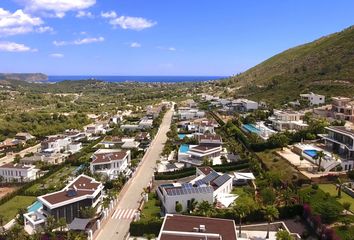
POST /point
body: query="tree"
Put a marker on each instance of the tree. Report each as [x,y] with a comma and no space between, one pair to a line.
[61,224]
[339,187]
[17,158]
[268,196]
[20,219]
[283,235]
[270,213]
[278,140]
[2,219]
[242,208]
[192,205]
[178,207]
[319,156]
[87,212]
[205,208]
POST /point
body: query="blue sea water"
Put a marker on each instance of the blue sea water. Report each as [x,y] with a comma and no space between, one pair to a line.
[165,79]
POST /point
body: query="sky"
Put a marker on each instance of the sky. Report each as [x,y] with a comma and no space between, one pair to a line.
[158,37]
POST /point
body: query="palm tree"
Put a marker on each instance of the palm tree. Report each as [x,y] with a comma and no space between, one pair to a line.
[319,156]
[105,203]
[205,208]
[270,213]
[241,209]
[61,224]
[339,187]
[2,219]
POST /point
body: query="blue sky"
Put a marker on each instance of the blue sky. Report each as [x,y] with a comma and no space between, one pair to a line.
[158,37]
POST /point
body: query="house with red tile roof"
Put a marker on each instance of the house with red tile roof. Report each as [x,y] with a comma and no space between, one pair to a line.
[82,192]
[110,162]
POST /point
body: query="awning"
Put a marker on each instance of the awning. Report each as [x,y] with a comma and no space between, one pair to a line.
[79,224]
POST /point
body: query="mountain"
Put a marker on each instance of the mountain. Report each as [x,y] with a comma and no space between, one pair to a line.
[28,77]
[323,66]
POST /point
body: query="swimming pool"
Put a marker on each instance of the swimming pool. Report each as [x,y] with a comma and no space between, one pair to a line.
[311,152]
[35,206]
[184,148]
[251,128]
[181,136]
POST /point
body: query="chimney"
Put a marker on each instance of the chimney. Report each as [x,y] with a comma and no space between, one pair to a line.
[202,228]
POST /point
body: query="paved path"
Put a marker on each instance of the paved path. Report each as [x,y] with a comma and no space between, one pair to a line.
[118,223]
[10,158]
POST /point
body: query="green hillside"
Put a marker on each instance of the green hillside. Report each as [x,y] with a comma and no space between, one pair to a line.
[323,66]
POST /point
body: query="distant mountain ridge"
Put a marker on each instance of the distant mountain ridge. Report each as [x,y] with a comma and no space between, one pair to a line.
[28,77]
[325,65]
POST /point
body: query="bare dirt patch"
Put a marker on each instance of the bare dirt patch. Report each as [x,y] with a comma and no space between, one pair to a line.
[6,190]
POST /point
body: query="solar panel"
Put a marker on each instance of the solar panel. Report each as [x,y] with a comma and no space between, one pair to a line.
[211,176]
[187,185]
[221,180]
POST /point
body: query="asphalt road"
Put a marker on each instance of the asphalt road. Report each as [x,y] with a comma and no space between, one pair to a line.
[118,224]
[10,158]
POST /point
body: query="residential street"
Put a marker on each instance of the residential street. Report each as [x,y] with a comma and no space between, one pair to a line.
[10,158]
[118,224]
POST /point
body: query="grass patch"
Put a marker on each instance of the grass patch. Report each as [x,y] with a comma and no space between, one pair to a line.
[151,209]
[331,189]
[277,164]
[10,208]
[54,182]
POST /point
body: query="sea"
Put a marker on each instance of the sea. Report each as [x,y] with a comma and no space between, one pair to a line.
[145,79]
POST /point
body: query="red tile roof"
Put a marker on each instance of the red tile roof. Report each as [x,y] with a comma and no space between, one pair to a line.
[82,186]
[108,157]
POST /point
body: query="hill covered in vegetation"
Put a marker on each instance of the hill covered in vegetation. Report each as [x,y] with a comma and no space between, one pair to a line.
[28,77]
[323,66]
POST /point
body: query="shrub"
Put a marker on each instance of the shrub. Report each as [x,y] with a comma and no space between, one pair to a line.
[140,228]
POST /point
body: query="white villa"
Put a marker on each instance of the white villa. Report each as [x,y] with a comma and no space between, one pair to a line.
[55,144]
[287,120]
[110,162]
[313,99]
[82,192]
[202,188]
[189,113]
[18,172]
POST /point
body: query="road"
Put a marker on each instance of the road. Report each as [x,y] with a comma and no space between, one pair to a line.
[10,158]
[118,224]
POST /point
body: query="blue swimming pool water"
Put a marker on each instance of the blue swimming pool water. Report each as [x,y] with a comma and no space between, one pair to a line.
[181,135]
[251,128]
[311,152]
[184,148]
[35,206]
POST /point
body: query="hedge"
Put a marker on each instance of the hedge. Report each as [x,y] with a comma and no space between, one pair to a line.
[186,172]
[140,228]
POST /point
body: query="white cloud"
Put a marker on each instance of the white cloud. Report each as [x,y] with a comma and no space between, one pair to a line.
[111,14]
[56,55]
[45,29]
[83,14]
[133,23]
[15,47]
[135,45]
[17,22]
[126,22]
[172,49]
[58,7]
[78,41]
